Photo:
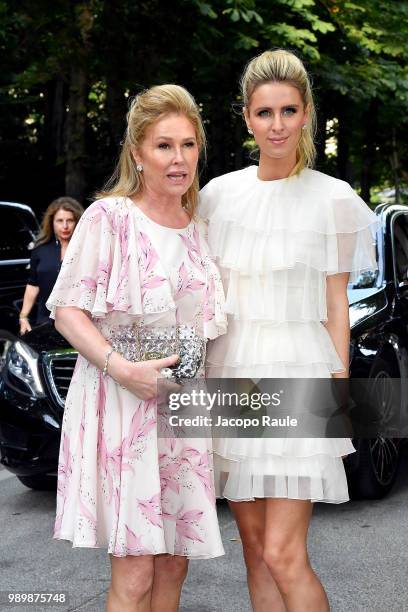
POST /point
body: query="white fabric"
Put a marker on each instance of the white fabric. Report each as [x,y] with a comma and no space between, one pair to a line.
[275,243]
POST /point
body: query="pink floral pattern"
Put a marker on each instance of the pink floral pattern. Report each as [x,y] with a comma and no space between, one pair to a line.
[148,258]
[120,485]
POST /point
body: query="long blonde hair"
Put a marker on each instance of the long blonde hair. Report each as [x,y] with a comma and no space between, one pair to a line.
[145,109]
[281,66]
[67,203]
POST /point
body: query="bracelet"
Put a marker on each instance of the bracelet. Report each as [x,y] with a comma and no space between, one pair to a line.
[23,319]
[105,365]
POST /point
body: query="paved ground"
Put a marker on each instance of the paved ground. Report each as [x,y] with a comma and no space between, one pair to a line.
[359,549]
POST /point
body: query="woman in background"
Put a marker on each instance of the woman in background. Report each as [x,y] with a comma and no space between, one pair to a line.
[57,228]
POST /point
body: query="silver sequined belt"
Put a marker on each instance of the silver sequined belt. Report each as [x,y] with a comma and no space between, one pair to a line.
[139,343]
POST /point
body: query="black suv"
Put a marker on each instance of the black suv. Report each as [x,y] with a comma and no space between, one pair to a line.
[33,386]
[18,228]
[39,367]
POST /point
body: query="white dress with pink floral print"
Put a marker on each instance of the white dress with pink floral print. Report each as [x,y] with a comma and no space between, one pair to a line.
[120,486]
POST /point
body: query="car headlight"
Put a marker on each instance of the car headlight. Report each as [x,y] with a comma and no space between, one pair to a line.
[22,364]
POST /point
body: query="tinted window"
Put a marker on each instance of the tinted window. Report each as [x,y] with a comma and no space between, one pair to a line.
[368,278]
[400,235]
[16,233]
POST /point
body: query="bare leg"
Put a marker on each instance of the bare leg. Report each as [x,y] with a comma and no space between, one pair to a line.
[250,517]
[169,574]
[285,553]
[131,584]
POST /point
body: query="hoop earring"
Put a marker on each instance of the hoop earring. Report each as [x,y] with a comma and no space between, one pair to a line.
[139,167]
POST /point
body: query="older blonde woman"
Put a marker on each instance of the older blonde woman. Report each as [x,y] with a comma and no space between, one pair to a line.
[138,261]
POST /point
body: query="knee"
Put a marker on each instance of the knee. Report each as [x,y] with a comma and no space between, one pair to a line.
[133,579]
[176,568]
[137,588]
[284,562]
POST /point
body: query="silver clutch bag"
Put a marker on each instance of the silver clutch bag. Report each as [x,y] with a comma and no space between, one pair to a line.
[140,343]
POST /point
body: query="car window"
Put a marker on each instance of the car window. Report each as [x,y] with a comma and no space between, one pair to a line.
[16,233]
[400,251]
[28,220]
[368,278]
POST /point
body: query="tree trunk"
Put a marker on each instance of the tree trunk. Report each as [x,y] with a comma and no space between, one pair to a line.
[216,165]
[114,49]
[54,116]
[75,135]
[344,169]
[368,157]
[321,137]
[75,143]
[238,140]
[395,165]
[55,99]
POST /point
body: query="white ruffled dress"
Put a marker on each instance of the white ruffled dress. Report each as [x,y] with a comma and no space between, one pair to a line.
[120,485]
[275,243]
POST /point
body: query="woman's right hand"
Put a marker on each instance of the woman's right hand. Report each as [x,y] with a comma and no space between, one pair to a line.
[140,377]
[24,326]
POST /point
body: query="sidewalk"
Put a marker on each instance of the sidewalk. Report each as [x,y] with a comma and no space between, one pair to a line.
[359,551]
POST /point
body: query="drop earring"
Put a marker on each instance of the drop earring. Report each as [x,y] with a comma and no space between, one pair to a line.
[250,131]
[304,126]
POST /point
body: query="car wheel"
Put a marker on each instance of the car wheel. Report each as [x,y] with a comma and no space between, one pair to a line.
[39,483]
[377,467]
[372,470]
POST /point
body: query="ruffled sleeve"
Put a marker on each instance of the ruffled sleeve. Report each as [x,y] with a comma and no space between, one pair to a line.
[207,200]
[100,271]
[214,311]
[355,226]
[258,227]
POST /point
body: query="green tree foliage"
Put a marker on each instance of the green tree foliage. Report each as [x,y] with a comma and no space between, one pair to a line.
[69,68]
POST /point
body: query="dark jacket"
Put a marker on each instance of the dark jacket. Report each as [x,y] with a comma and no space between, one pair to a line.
[45,265]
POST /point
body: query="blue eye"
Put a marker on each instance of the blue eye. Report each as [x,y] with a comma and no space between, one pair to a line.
[289,111]
[264,113]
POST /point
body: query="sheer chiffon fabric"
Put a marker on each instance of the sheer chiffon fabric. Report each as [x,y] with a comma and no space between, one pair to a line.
[120,485]
[275,243]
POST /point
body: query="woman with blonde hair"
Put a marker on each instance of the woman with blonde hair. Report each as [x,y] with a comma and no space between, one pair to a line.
[286,238]
[136,288]
[57,227]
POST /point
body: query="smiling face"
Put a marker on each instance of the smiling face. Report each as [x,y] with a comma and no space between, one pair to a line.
[63,224]
[169,156]
[276,114]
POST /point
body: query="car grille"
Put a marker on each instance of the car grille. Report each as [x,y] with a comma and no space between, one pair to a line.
[58,370]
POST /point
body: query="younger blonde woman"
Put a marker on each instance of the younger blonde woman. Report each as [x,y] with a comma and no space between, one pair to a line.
[286,238]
